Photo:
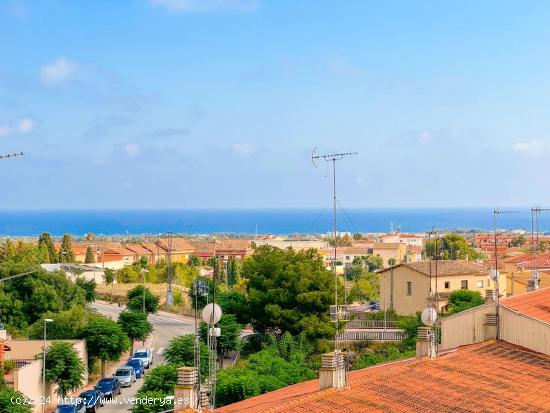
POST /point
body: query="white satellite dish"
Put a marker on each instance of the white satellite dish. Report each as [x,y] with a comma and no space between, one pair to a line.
[428,316]
[212,312]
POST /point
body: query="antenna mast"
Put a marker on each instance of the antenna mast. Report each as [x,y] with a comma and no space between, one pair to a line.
[535,245]
[11,155]
[333,158]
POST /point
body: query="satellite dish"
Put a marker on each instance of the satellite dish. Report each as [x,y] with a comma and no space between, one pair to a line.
[493,274]
[211,313]
[429,315]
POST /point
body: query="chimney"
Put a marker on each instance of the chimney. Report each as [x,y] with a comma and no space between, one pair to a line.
[184,391]
[490,296]
[332,373]
[423,342]
[532,285]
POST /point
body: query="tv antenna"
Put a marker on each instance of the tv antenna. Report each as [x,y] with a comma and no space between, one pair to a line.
[338,311]
[496,213]
[535,245]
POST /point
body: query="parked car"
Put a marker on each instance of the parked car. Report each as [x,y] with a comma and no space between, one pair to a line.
[110,386]
[374,306]
[145,355]
[93,399]
[126,376]
[78,407]
[138,366]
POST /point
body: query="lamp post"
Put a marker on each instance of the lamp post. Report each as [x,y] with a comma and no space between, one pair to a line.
[46,321]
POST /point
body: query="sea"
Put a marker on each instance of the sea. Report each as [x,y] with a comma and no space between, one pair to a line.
[259,221]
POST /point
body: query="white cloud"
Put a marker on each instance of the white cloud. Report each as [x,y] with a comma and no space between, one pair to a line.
[244,149]
[190,6]
[132,149]
[58,71]
[535,147]
[21,126]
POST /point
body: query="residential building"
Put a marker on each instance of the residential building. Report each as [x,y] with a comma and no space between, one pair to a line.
[408,239]
[391,250]
[517,282]
[27,376]
[407,285]
[178,249]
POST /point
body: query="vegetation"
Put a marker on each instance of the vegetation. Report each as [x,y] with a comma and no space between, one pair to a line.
[460,300]
[88,286]
[45,244]
[194,260]
[380,353]
[162,378]
[180,352]
[371,262]
[8,395]
[341,241]
[289,291]
[230,339]
[90,257]
[279,364]
[68,324]
[152,402]
[236,303]
[450,247]
[64,368]
[105,340]
[135,325]
[135,300]
[66,253]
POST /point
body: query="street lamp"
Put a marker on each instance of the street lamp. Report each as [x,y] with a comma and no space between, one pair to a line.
[143,272]
[46,321]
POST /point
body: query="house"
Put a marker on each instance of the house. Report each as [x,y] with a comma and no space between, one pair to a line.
[87,271]
[517,282]
[178,249]
[345,255]
[27,376]
[223,249]
[407,285]
[408,239]
[390,250]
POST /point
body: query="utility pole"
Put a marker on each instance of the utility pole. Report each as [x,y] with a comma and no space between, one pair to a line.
[333,158]
[535,245]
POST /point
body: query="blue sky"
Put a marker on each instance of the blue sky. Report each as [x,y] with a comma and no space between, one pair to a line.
[219,103]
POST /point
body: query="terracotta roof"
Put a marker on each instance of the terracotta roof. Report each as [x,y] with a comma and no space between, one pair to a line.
[204,246]
[175,245]
[534,304]
[388,245]
[233,244]
[447,267]
[137,249]
[486,377]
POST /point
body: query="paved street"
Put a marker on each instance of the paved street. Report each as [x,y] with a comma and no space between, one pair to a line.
[165,327]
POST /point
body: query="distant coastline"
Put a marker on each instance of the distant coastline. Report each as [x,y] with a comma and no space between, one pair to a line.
[252,221]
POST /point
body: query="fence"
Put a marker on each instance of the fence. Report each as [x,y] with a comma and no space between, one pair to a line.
[372,336]
[368,324]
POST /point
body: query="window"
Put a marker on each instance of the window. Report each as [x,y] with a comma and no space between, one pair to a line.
[464,284]
[447,285]
[480,284]
[409,287]
[347,257]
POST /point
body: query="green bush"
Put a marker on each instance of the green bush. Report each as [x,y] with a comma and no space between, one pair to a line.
[235,384]
[460,300]
[162,379]
[151,402]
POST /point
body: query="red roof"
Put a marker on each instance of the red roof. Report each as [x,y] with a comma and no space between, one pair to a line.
[485,377]
[534,304]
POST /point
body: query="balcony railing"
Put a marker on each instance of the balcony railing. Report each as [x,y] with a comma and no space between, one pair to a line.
[370,324]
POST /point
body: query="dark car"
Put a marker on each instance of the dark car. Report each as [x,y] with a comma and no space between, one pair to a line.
[110,386]
[71,408]
[374,306]
[92,399]
[138,366]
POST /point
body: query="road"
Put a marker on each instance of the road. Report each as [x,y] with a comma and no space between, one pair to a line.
[165,327]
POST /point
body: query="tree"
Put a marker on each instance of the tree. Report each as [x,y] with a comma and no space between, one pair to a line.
[230,338]
[354,272]
[64,368]
[68,324]
[162,379]
[180,352]
[7,404]
[357,236]
[152,402]
[90,257]
[518,241]
[106,341]
[88,286]
[290,291]
[392,262]
[460,300]
[194,260]
[66,253]
[234,302]
[450,247]
[45,241]
[135,300]
[233,271]
[341,241]
[135,325]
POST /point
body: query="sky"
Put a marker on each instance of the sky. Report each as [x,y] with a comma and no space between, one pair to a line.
[220,103]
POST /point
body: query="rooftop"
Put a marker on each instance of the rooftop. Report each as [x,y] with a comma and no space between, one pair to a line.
[491,376]
[446,267]
[535,304]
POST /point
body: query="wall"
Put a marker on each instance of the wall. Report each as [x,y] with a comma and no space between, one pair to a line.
[466,327]
[28,380]
[404,304]
[524,331]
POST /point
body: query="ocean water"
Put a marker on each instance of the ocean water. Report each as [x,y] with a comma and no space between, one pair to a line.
[248,221]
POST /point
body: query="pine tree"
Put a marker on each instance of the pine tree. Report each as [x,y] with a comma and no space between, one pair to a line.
[66,253]
[90,258]
[45,240]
